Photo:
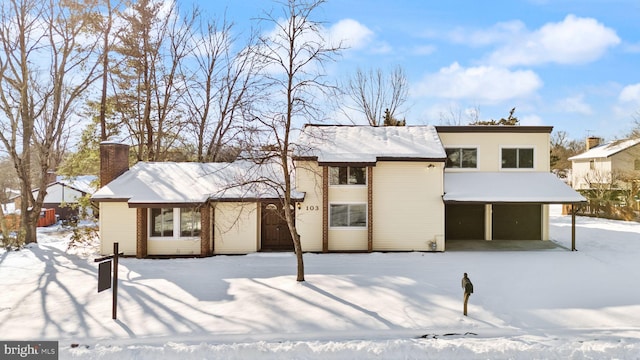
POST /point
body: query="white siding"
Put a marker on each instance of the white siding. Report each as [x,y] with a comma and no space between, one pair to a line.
[309,214]
[408,212]
[489,147]
[117,224]
[57,194]
[236,228]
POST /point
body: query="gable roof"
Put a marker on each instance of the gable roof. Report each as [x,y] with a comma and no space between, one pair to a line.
[606,150]
[368,144]
[82,183]
[189,183]
[508,187]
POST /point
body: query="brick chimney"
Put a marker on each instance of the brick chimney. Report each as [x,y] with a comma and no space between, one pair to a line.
[114,161]
[51,177]
[593,141]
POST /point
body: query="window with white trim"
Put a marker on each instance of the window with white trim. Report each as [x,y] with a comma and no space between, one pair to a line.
[174,222]
[517,158]
[462,158]
[348,215]
[347,175]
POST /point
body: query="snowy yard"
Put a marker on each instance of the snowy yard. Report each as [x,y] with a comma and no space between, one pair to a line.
[550,304]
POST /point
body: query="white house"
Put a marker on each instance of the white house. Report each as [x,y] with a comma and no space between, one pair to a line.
[358,188]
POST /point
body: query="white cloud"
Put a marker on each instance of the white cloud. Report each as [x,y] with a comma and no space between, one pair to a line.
[351,33]
[575,104]
[499,33]
[573,40]
[483,84]
[630,94]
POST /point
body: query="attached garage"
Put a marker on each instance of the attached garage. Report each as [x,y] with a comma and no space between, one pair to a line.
[502,205]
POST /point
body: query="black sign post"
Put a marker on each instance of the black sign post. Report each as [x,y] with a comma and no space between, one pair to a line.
[104,277]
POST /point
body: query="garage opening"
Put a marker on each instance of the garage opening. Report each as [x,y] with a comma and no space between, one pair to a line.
[464,222]
[517,222]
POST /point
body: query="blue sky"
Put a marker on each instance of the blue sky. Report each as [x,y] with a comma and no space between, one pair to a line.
[574,65]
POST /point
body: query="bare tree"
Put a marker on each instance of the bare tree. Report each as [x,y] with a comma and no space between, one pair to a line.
[293,55]
[456,116]
[220,89]
[375,93]
[148,84]
[47,63]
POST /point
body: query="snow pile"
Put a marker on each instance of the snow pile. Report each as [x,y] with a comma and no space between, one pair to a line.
[550,304]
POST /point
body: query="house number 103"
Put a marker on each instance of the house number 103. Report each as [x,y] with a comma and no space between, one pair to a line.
[312,207]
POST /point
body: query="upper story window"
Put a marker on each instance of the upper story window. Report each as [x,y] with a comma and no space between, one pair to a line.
[517,158]
[165,222]
[466,158]
[347,175]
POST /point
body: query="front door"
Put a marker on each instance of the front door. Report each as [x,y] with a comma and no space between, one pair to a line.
[275,232]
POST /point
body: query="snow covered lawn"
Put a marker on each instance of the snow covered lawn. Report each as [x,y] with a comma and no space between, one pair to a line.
[551,304]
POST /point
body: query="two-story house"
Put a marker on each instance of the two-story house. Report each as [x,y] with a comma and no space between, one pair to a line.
[608,167]
[412,188]
[357,188]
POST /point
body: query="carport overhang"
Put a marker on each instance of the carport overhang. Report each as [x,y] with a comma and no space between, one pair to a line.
[513,187]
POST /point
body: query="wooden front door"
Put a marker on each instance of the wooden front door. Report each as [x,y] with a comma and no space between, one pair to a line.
[275,232]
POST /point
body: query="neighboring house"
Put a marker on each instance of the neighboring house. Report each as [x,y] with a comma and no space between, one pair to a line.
[63,194]
[358,188]
[605,163]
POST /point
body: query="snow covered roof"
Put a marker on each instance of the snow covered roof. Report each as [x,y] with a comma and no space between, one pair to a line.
[192,183]
[511,187]
[368,144]
[81,183]
[605,150]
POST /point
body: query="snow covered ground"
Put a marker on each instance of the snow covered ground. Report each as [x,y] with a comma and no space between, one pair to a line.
[549,304]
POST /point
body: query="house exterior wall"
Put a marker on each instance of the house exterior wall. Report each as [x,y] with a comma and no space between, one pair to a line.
[590,170]
[117,223]
[309,214]
[57,193]
[489,147]
[236,228]
[408,212]
[624,164]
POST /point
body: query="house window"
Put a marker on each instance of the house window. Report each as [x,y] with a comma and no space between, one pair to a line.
[592,164]
[162,222]
[165,222]
[347,175]
[348,215]
[189,222]
[636,164]
[517,158]
[462,158]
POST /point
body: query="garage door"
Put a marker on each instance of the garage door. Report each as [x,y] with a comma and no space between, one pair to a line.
[464,222]
[517,222]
